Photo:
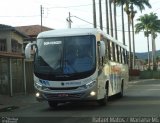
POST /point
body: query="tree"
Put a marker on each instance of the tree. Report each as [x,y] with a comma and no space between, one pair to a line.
[141,5]
[128,5]
[121,3]
[115,20]
[143,25]
[150,24]
[100,15]
[111,20]
[94,14]
[107,17]
[154,28]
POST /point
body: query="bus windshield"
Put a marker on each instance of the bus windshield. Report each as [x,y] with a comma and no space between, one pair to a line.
[65,58]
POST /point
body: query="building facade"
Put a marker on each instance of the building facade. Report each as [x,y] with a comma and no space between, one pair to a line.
[12,67]
[16,73]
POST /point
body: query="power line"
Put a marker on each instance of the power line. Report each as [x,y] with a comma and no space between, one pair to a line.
[73,6]
[69,6]
[19,16]
[82,20]
[98,25]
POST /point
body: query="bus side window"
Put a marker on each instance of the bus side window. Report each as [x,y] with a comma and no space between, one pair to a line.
[125,56]
[113,48]
[121,55]
[109,49]
[117,53]
[101,60]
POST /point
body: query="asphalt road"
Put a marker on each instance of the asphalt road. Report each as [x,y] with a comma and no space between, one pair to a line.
[141,100]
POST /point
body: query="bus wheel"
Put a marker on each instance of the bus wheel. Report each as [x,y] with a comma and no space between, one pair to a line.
[52,104]
[103,102]
[120,94]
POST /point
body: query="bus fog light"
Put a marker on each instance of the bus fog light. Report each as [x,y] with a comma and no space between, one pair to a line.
[93,93]
[37,94]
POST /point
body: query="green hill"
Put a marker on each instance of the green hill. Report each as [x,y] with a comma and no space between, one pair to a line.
[144,55]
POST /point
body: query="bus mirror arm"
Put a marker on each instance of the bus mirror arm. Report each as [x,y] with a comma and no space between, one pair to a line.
[29,50]
[102,48]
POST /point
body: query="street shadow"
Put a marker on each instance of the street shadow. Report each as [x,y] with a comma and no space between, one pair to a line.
[8,109]
[83,106]
[70,106]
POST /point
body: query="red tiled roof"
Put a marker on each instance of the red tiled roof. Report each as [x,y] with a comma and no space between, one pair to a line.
[32,30]
[10,28]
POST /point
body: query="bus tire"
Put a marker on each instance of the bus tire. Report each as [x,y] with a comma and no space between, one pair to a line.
[121,93]
[103,102]
[52,104]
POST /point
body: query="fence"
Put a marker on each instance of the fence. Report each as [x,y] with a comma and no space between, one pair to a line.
[150,74]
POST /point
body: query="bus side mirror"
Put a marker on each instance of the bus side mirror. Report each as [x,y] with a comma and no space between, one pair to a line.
[29,50]
[102,48]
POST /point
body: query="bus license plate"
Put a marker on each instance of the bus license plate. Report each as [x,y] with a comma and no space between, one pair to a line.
[63,95]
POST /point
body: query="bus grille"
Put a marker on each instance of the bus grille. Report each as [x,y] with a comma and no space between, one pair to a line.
[62,96]
[68,88]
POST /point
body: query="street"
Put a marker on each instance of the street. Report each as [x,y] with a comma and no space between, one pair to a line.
[141,99]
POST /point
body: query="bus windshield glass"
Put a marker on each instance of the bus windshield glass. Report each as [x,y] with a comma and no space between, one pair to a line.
[65,58]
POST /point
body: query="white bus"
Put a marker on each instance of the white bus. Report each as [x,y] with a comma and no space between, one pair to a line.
[78,65]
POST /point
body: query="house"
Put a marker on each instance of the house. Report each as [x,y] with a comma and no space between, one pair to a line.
[32,31]
[12,74]
[151,65]
[16,74]
[140,64]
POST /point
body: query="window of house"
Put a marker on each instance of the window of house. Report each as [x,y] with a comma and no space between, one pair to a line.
[16,47]
[3,45]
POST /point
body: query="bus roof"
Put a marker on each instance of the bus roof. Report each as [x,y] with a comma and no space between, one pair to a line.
[76,32]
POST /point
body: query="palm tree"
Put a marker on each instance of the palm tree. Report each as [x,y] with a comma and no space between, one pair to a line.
[143,25]
[125,3]
[115,20]
[141,5]
[107,17]
[94,14]
[100,15]
[154,27]
[129,5]
[111,20]
[151,25]
[121,3]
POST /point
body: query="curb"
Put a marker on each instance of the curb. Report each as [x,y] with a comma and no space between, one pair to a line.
[141,80]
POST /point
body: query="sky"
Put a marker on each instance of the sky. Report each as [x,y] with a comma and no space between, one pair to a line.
[55,13]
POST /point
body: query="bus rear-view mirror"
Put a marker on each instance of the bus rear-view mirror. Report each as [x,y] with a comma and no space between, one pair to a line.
[29,50]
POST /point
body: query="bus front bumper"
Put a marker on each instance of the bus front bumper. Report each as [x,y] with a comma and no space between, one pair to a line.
[67,96]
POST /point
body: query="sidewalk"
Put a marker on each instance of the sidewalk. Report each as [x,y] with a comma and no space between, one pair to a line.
[9,103]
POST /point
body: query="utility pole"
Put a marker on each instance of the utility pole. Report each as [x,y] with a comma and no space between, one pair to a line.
[41,10]
[94,15]
[69,20]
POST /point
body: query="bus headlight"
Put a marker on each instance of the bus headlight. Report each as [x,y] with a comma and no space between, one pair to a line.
[38,86]
[88,85]
[37,94]
[93,93]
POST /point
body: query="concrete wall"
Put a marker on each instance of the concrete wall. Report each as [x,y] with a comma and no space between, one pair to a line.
[150,74]
[12,68]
